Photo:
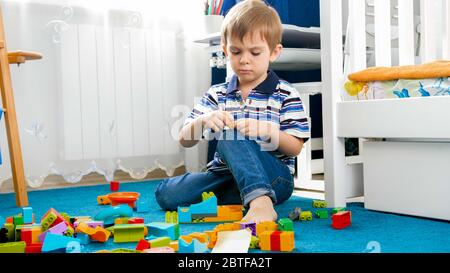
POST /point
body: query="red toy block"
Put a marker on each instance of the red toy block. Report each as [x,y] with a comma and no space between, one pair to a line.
[275,243]
[33,248]
[136,220]
[341,219]
[143,244]
[114,185]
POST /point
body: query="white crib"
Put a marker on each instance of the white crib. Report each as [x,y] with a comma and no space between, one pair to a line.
[409,172]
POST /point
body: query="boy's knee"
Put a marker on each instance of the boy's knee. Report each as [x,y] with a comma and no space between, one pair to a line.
[164,197]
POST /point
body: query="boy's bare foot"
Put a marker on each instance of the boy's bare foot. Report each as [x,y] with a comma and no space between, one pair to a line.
[261,209]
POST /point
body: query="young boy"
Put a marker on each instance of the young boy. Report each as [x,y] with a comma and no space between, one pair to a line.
[258,109]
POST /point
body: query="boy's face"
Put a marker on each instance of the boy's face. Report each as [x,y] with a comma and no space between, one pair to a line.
[250,58]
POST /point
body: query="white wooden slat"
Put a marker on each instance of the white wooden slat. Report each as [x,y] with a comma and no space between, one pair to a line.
[71,101]
[89,92]
[122,79]
[155,92]
[332,56]
[428,31]
[139,92]
[357,35]
[446,30]
[406,32]
[169,76]
[106,89]
[382,11]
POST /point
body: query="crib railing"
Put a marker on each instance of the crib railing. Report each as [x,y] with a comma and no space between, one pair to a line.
[395,27]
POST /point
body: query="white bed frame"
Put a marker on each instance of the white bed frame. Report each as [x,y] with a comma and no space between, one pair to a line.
[410,172]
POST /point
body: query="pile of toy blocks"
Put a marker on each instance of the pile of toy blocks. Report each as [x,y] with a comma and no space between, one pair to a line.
[340,217]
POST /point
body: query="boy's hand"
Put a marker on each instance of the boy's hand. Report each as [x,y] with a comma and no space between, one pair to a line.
[253,128]
[217,120]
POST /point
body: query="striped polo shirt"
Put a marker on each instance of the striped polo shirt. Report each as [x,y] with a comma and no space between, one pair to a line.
[274,100]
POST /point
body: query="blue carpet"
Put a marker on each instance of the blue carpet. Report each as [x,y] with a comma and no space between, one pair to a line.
[393,233]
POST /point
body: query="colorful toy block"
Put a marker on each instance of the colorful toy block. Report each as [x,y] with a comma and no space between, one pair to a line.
[254,242]
[27,214]
[306,216]
[103,200]
[265,226]
[341,220]
[98,233]
[128,233]
[13,247]
[30,234]
[135,220]
[160,229]
[171,217]
[322,214]
[191,245]
[319,204]
[294,215]
[250,225]
[143,244]
[18,220]
[57,243]
[226,213]
[9,232]
[159,242]
[336,210]
[114,185]
[206,208]
[277,240]
[285,224]
[34,248]
[108,215]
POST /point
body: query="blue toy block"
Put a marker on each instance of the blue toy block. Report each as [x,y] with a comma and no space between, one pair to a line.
[142,206]
[160,229]
[194,247]
[27,214]
[108,215]
[184,215]
[84,238]
[57,243]
[207,208]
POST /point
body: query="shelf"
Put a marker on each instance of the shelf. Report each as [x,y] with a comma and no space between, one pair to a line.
[18,57]
[297,59]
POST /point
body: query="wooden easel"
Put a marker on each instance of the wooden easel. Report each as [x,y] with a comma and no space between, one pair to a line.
[12,130]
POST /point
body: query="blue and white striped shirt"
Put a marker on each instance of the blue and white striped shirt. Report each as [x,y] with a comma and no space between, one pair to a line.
[274,100]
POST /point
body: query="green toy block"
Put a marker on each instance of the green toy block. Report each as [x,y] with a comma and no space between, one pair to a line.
[322,214]
[128,233]
[285,224]
[13,247]
[207,195]
[336,210]
[159,242]
[172,217]
[18,220]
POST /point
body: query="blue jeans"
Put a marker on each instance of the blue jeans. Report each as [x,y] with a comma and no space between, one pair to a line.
[251,173]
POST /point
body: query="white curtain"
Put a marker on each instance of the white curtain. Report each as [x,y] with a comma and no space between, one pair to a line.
[115,83]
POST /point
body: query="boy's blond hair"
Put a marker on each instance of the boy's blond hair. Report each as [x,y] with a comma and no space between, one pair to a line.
[249,16]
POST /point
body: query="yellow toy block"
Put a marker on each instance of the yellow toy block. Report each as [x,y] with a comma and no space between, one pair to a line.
[265,226]
[171,217]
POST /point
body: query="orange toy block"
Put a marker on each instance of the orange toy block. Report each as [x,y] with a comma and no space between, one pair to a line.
[277,241]
[98,234]
[174,245]
[265,226]
[103,200]
[227,213]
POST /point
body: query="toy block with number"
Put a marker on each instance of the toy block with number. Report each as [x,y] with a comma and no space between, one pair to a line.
[341,220]
[114,185]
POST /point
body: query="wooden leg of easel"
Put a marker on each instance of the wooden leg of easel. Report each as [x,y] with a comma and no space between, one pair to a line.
[12,130]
